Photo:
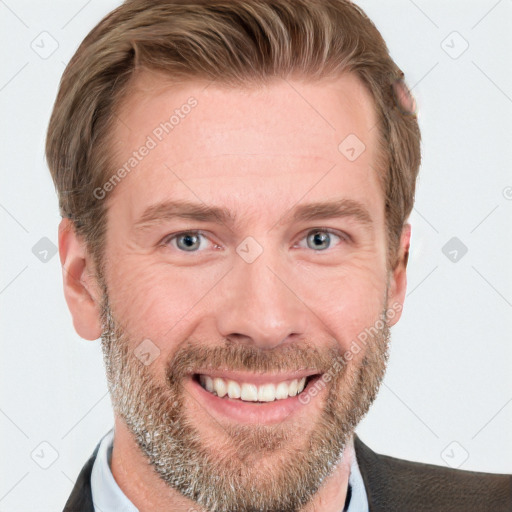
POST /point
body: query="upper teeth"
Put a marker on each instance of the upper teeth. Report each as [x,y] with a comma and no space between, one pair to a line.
[251,392]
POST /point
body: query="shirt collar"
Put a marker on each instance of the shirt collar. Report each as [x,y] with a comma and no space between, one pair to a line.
[106,494]
[358,501]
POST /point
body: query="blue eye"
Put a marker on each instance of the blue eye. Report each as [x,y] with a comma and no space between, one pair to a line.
[320,239]
[188,241]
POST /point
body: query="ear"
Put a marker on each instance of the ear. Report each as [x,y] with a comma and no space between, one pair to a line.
[398,278]
[80,287]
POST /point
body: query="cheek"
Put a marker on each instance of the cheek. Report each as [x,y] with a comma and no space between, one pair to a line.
[346,300]
[159,301]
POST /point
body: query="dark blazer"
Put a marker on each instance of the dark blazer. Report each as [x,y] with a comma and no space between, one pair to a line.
[392,485]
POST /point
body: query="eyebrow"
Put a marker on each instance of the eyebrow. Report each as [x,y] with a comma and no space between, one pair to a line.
[168,210]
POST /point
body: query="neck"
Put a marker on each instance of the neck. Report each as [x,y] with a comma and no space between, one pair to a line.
[331,496]
[148,492]
[140,483]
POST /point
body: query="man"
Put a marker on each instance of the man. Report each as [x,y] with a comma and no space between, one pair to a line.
[235,180]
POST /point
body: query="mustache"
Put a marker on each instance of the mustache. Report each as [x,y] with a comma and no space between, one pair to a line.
[194,356]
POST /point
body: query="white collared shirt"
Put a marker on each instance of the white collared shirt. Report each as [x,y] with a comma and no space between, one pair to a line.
[108,497]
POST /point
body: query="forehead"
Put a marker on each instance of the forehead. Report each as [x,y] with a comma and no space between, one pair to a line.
[245,147]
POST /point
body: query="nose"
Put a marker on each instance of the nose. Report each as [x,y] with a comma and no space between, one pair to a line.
[261,304]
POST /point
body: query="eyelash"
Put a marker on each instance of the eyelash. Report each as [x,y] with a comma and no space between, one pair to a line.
[341,235]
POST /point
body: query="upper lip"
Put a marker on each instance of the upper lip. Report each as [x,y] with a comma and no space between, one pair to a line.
[257,378]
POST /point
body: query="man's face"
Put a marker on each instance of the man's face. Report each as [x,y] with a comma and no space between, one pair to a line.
[260,297]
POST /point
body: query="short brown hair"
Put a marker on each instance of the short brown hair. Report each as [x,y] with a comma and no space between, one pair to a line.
[235,43]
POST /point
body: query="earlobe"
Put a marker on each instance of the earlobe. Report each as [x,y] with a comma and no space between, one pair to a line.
[80,289]
[398,277]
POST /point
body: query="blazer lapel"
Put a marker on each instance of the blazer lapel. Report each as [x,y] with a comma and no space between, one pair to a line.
[80,498]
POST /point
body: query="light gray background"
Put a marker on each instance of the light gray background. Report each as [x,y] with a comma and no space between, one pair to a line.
[447,395]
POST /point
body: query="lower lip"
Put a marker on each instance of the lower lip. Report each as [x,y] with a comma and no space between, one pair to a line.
[251,412]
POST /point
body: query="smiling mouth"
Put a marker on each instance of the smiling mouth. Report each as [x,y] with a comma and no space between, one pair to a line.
[266,392]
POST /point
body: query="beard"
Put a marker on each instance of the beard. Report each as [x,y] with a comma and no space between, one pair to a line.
[240,468]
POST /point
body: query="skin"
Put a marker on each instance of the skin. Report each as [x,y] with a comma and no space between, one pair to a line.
[260,152]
